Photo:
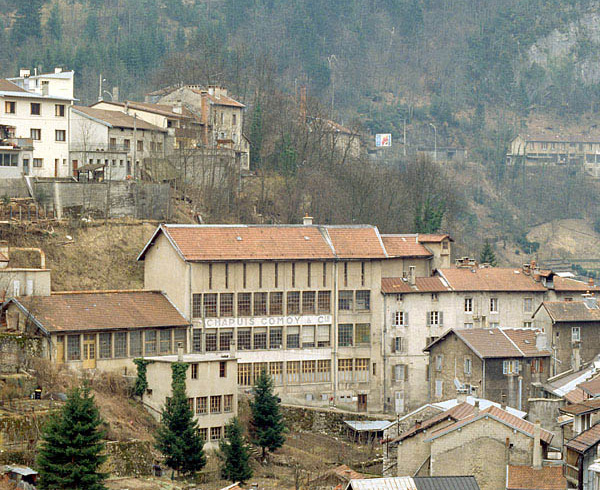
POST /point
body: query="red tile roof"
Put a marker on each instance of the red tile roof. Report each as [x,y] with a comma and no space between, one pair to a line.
[102,310]
[490,279]
[223,100]
[586,440]
[576,395]
[262,242]
[395,285]
[566,284]
[528,478]
[585,406]
[404,246]
[591,387]
[433,238]
[162,109]
[458,412]
[501,416]
[8,86]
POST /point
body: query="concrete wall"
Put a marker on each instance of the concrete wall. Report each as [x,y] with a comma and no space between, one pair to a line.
[546,411]
[126,199]
[13,188]
[23,282]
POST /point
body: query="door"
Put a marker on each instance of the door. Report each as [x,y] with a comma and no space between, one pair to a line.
[56,160]
[362,403]
[75,167]
[89,351]
[399,402]
[60,349]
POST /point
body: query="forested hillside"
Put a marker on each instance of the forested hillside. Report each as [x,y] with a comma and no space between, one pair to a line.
[478,71]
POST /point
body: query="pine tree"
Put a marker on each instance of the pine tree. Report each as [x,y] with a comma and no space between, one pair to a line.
[234,453]
[72,449]
[54,24]
[256,136]
[267,422]
[178,437]
[27,21]
[488,255]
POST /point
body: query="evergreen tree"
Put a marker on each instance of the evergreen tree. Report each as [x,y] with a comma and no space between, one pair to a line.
[27,21]
[54,24]
[428,216]
[72,449]
[488,255]
[267,422]
[235,454]
[256,136]
[178,437]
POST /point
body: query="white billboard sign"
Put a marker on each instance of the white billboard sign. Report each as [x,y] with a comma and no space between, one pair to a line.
[383,139]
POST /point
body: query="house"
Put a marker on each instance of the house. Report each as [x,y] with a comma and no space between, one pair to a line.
[211,387]
[37,111]
[523,477]
[573,329]
[15,153]
[497,363]
[22,276]
[99,329]
[336,478]
[302,301]
[109,141]
[415,483]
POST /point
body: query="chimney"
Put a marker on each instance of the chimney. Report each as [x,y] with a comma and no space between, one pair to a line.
[412,280]
[4,258]
[308,220]
[476,408]
[461,395]
[115,94]
[58,69]
[45,89]
[526,269]
[503,402]
[179,351]
[537,445]
[591,282]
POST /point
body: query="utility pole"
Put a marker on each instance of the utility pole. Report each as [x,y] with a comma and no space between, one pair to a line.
[404,140]
[100,80]
[135,165]
[434,142]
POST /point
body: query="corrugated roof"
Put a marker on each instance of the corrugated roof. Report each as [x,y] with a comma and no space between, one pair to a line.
[368,425]
[395,285]
[117,119]
[102,310]
[571,311]
[446,483]
[528,478]
[586,440]
[404,246]
[490,279]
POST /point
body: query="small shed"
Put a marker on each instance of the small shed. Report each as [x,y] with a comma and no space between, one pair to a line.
[366,431]
[20,474]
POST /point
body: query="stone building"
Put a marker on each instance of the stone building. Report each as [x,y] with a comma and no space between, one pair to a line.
[302,301]
[496,363]
[99,329]
[211,387]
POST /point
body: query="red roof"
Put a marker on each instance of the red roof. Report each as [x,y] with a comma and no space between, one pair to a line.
[458,412]
[586,440]
[576,395]
[8,86]
[356,242]
[490,279]
[395,285]
[591,387]
[404,246]
[434,238]
[566,284]
[222,100]
[528,478]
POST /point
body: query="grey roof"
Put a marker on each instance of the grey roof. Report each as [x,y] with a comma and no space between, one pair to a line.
[21,470]
[397,483]
[416,483]
[368,425]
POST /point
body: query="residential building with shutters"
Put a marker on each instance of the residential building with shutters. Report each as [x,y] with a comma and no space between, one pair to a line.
[300,301]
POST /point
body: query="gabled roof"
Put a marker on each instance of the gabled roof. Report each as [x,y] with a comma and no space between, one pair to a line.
[197,243]
[404,246]
[457,412]
[499,415]
[223,100]
[101,310]
[396,285]
[583,407]
[571,311]
[116,119]
[8,86]
[434,237]
[498,342]
[565,284]
[161,109]
[528,478]
[591,387]
[586,440]
[490,279]
[342,472]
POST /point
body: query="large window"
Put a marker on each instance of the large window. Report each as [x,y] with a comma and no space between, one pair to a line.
[345,300]
[227,403]
[361,369]
[210,305]
[363,333]
[345,335]
[293,337]
[324,301]
[323,335]
[243,338]
[215,404]
[244,374]
[363,300]
[120,344]
[260,304]
[308,336]
[244,301]
[260,337]
[135,343]
[309,371]
[211,340]
[202,405]
[225,337]
[293,372]
[197,340]
[293,302]
[308,302]
[276,372]
[73,348]
[197,305]
[165,341]
[105,347]
[345,370]
[275,338]
[276,303]
[150,342]
[324,370]
[226,304]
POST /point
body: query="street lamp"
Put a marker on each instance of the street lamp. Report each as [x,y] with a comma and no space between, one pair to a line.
[107,92]
[434,142]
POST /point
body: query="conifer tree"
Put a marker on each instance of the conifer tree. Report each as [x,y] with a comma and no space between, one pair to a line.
[488,255]
[178,437]
[72,449]
[267,422]
[234,453]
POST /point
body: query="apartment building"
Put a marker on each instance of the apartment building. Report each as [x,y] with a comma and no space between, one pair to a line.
[301,301]
[14,153]
[38,110]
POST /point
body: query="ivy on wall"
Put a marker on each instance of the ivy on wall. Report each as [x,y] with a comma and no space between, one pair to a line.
[141,383]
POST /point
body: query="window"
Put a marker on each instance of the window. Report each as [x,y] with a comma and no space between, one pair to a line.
[215,404]
[293,372]
[165,341]
[494,325]
[308,336]
[400,345]
[363,300]
[244,374]
[59,110]
[36,109]
[399,319]
[293,337]
[361,369]
[527,324]
[260,275]
[191,404]
[362,274]
[243,338]
[439,388]
[468,305]
[210,305]
[345,370]
[575,334]
[293,275]
[244,304]
[150,342]
[233,119]
[293,301]
[324,302]
[275,338]
[345,275]
[105,347]
[323,335]
[324,274]
[537,365]
[309,371]
[203,432]
[260,338]
[194,370]
[120,344]
[73,348]
[222,369]
[400,372]
[439,359]
[196,305]
[276,303]
[135,343]
[227,403]
[434,296]
[9,160]
[324,370]
[510,367]
[202,405]
[493,305]
[468,325]
[345,300]
[210,340]
[260,304]
[196,340]
[528,305]
[180,338]
[215,433]
[363,333]
[258,368]
[467,366]
[127,144]
[434,318]
[140,145]
[308,302]
[36,135]
[226,304]
[225,337]
[112,142]
[10,107]
[276,372]
[308,273]
[210,276]
[345,335]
